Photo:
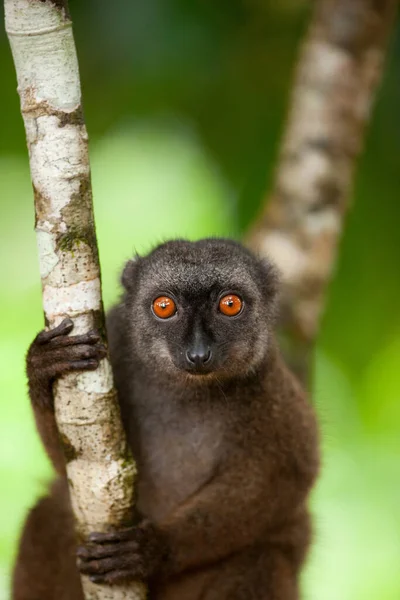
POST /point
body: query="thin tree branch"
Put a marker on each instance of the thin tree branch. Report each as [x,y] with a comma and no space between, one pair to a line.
[99,466]
[337,76]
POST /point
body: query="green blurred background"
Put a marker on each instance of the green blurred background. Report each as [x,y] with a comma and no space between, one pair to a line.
[185,101]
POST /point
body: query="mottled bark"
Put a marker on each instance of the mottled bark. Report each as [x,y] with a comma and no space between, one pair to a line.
[339,69]
[99,466]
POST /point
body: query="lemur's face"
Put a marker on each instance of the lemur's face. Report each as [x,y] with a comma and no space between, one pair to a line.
[200,308]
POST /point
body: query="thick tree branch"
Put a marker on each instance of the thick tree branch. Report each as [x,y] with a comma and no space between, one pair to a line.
[100,469]
[339,69]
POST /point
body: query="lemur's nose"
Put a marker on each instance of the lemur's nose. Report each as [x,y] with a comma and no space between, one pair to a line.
[198,356]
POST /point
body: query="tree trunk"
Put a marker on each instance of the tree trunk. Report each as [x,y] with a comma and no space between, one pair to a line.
[99,466]
[339,69]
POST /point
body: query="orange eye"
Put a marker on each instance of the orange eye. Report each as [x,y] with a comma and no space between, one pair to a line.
[230,305]
[164,307]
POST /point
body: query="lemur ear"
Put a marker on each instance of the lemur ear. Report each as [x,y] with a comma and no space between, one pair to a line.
[129,273]
[271,278]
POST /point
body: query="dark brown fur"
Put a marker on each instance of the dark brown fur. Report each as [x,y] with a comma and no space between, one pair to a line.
[226,460]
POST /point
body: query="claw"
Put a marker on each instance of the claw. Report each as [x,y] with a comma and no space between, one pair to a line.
[112,536]
[65,327]
[91,338]
[111,578]
[90,364]
[133,553]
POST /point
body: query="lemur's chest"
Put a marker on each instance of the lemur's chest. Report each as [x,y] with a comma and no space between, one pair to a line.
[176,457]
